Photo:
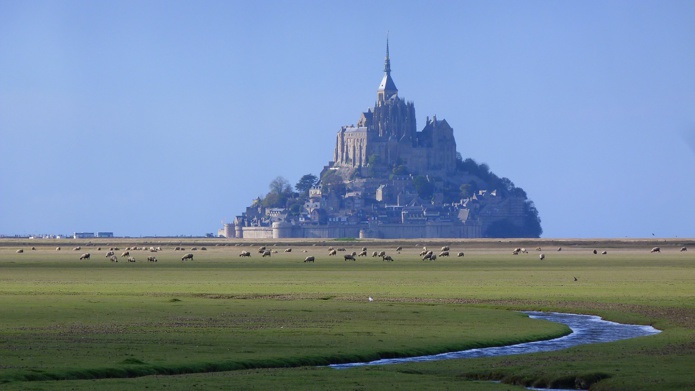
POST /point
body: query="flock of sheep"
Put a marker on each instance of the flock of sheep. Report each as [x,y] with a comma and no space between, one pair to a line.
[264,251]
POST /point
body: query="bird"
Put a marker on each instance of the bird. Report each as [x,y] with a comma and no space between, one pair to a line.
[370,298]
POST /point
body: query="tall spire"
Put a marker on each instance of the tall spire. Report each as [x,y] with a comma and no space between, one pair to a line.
[387,88]
[387,62]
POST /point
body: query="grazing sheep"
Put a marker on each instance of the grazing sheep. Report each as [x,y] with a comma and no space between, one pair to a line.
[331,252]
[382,253]
[538,249]
[78,248]
[656,250]
[444,254]
[363,253]
[57,248]
[194,249]
[354,253]
[445,248]
[387,258]
[523,250]
[399,248]
[341,249]
[542,256]
[559,249]
[364,249]
[460,254]
[288,250]
[330,248]
[267,253]
[110,253]
[375,254]
[20,251]
[427,257]
[684,249]
[125,254]
[85,256]
[309,259]
[595,252]
[349,257]
[177,248]
[152,259]
[245,254]
[188,256]
[34,249]
[604,252]
[131,259]
[113,258]
[517,250]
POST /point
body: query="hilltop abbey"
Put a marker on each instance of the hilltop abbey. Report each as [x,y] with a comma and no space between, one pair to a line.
[389,180]
[388,131]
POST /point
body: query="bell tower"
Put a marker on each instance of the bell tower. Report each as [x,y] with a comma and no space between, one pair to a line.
[387,88]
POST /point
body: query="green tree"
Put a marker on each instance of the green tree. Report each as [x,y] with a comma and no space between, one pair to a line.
[423,187]
[305,184]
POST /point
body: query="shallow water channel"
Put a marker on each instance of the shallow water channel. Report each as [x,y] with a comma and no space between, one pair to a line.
[586,329]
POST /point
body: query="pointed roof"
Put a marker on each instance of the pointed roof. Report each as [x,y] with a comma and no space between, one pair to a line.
[387,85]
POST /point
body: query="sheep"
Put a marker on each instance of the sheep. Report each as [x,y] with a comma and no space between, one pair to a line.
[542,256]
[341,249]
[354,253]
[288,250]
[387,258]
[194,249]
[427,256]
[538,249]
[604,252]
[78,248]
[444,254]
[110,253]
[245,254]
[309,259]
[445,248]
[362,254]
[125,254]
[152,259]
[399,248]
[684,249]
[423,253]
[331,252]
[113,258]
[131,259]
[85,256]
[460,254]
[34,249]
[57,248]
[656,250]
[188,256]
[267,253]
[595,252]
[20,251]
[559,249]
[382,253]
[349,257]
[517,250]
[364,248]
[375,254]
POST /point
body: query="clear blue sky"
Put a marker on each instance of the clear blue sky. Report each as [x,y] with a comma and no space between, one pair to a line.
[167,117]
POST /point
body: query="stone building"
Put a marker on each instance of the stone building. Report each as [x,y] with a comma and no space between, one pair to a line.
[386,134]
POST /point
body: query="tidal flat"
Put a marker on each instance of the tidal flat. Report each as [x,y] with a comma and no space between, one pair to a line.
[223,321]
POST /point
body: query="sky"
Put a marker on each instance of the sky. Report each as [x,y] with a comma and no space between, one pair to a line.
[162,118]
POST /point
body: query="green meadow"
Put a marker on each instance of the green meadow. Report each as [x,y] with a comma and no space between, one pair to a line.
[227,322]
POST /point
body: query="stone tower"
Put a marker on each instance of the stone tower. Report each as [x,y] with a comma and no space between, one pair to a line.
[388,131]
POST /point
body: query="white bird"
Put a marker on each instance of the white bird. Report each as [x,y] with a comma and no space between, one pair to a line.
[370,298]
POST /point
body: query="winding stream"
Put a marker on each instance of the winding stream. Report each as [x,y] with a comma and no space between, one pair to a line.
[586,329]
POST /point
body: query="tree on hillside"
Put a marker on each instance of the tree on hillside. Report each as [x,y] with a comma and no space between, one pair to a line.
[305,183]
[423,187]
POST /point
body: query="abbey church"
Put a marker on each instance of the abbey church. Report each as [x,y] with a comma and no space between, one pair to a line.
[389,180]
[388,131]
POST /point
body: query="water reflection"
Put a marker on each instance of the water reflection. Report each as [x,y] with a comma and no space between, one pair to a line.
[586,329]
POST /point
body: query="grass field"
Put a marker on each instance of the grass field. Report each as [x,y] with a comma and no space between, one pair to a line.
[227,322]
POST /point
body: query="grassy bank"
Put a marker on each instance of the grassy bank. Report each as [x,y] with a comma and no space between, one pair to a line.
[243,318]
